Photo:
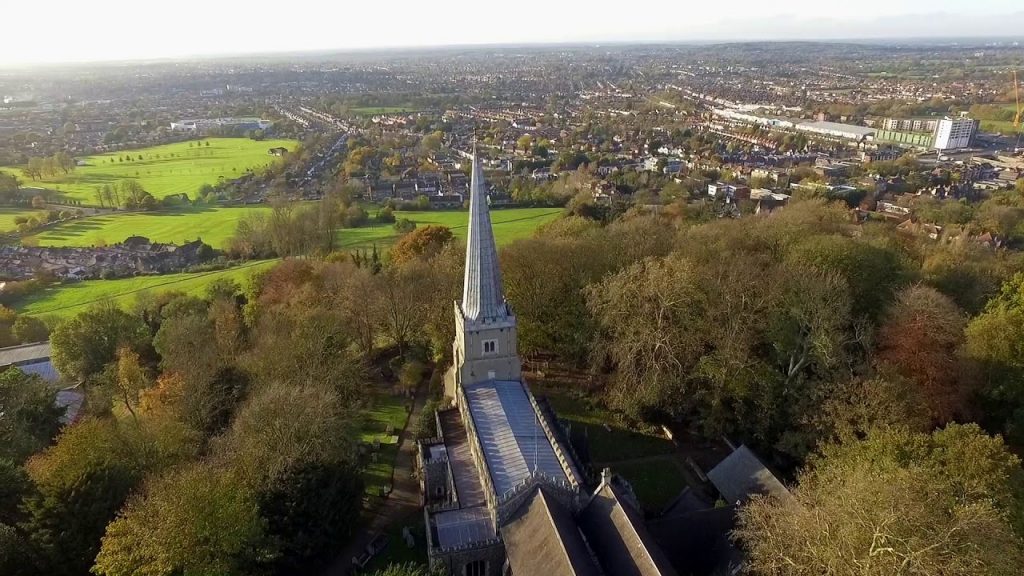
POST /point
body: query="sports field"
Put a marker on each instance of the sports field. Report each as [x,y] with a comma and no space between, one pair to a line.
[69,299]
[508,225]
[163,170]
[7,216]
[215,225]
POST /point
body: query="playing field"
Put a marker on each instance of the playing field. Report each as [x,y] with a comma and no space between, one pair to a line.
[69,299]
[508,225]
[215,225]
[7,216]
[163,170]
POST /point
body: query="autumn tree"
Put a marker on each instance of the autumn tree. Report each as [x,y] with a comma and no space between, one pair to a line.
[920,340]
[421,242]
[896,502]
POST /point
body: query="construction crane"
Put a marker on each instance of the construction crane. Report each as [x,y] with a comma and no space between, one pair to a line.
[1019,111]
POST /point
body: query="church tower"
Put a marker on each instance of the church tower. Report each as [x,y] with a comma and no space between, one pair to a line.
[485,327]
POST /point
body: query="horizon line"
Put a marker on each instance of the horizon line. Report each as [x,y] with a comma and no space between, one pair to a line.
[397,48]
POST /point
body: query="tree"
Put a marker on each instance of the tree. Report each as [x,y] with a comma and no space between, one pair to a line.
[872,273]
[920,339]
[421,242]
[194,520]
[30,329]
[29,418]
[81,481]
[404,226]
[308,510]
[995,340]
[14,485]
[85,344]
[895,503]
[524,142]
[131,378]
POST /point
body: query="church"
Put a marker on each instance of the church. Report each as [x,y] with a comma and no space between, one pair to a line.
[502,492]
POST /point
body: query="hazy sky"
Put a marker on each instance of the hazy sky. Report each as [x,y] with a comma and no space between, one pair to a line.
[76,30]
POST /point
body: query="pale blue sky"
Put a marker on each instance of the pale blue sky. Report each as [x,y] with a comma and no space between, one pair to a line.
[76,30]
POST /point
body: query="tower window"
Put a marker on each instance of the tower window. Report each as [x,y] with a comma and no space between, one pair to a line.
[490,346]
[476,568]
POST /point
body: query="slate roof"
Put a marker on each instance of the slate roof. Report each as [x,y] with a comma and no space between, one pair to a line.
[482,298]
[24,354]
[542,538]
[616,533]
[742,475]
[510,433]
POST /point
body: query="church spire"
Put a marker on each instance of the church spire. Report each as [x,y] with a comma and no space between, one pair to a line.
[482,298]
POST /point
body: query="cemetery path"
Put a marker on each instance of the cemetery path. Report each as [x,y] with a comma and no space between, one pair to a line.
[403,501]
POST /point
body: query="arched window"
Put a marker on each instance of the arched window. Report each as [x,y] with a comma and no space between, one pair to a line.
[475,568]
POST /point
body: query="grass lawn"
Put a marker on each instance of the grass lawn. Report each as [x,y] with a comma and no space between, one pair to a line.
[656,482]
[1004,127]
[215,225]
[396,551]
[508,225]
[7,216]
[64,300]
[387,410]
[611,444]
[164,170]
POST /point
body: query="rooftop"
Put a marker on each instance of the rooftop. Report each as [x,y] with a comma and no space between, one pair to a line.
[742,475]
[24,353]
[513,441]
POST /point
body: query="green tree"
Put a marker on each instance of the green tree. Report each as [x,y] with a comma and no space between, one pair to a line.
[30,329]
[81,482]
[895,503]
[995,340]
[85,344]
[194,520]
[29,418]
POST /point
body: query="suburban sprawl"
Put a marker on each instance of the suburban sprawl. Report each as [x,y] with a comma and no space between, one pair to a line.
[750,308]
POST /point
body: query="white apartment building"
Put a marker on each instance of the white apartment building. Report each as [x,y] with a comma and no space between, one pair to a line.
[953,133]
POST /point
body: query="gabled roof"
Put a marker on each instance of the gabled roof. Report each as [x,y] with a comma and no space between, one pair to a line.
[618,536]
[542,538]
[482,298]
[509,428]
[742,475]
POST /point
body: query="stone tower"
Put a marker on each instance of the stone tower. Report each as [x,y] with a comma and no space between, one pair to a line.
[485,327]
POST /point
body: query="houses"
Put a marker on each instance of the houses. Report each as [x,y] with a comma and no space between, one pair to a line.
[278,151]
[729,192]
[136,255]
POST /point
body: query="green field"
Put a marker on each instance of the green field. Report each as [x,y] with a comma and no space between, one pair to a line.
[7,216]
[508,225]
[215,225]
[69,299]
[164,170]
